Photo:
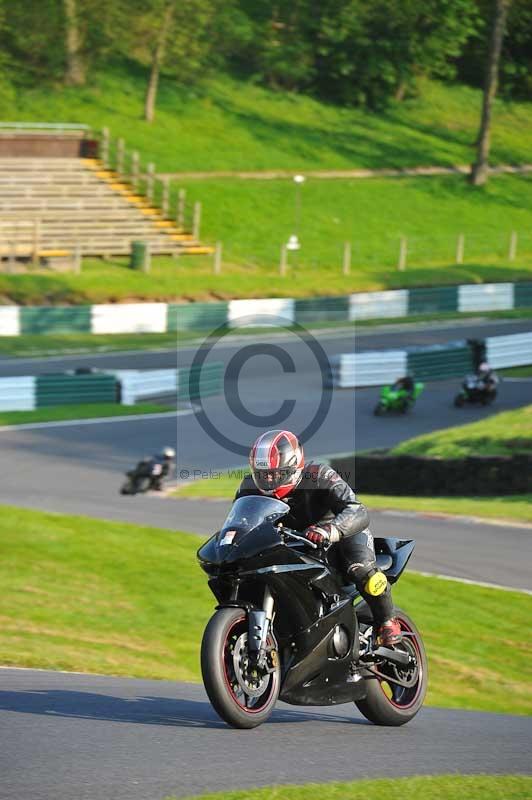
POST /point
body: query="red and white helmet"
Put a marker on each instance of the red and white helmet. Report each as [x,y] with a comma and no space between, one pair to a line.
[276,461]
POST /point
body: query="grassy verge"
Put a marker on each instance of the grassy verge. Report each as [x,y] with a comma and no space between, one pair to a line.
[517,508]
[508,433]
[83,411]
[433,787]
[517,372]
[130,600]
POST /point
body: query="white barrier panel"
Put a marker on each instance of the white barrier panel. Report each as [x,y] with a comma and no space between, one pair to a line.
[486,297]
[270,311]
[9,321]
[368,369]
[372,305]
[129,318]
[17,394]
[138,384]
[513,350]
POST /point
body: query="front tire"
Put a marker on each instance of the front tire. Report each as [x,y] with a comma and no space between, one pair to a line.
[379,409]
[387,703]
[459,400]
[225,673]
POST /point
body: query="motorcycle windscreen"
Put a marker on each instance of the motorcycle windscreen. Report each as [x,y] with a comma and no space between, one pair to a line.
[247,513]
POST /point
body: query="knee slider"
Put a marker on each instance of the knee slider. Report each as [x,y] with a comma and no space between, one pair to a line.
[376,583]
[368,578]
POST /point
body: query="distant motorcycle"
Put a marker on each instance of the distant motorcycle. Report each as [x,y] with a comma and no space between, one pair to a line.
[398,399]
[476,391]
[146,475]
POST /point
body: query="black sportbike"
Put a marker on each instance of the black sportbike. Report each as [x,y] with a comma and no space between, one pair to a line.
[146,476]
[476,392]
[287,626]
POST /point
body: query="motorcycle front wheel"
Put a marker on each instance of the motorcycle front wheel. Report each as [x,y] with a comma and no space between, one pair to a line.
[243,695]
[395,695]
[379,409]
[459,400]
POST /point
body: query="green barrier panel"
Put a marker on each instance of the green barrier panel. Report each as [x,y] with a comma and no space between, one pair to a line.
[196,316]
[522,295]
[195,383]
[440,362]
[432,300]
[55,390]
[322,309]
[52,319]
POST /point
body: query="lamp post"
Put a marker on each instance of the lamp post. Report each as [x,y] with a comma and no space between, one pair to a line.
[293,241]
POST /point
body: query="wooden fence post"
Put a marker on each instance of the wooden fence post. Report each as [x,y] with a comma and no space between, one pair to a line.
[460,248]
[512,250]
[181,200]
[166,195]
[77,259]
[120,156]
[135,169]
[105,146]
[196,222]
[150,179]
[282,263]
[347,258]
[218,258]
[403,250]
[36,242]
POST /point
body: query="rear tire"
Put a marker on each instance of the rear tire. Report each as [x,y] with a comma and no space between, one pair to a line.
[386,704]
[223,631]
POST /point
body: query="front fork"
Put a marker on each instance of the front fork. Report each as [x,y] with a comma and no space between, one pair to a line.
[259,622]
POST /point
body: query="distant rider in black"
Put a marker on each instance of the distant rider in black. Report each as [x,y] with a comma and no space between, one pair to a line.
[325,509]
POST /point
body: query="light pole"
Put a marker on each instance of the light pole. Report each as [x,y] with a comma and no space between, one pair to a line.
[293,241]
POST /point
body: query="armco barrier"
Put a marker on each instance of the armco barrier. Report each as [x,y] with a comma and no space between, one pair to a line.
[113,318]
[195,384]
[55,319]
[53,390]
[367,369]
[437,362]
[434,477]
[513,350]
[17,394]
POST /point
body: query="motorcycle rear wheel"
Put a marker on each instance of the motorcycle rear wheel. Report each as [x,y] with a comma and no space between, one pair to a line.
[224,667]
[387,703]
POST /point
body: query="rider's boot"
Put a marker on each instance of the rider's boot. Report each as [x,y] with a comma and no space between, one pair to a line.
[388,633]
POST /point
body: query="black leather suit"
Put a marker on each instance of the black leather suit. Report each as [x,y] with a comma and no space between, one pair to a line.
[323,496]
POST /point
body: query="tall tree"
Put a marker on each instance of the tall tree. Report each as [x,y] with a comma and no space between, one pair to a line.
[75,69]
[479,171]
[158,54]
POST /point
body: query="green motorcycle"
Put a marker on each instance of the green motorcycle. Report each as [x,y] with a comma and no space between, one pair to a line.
[400,397]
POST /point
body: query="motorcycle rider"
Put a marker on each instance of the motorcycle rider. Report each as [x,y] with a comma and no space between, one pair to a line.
[326,510]
[405,384]
[486,378]
[157,467]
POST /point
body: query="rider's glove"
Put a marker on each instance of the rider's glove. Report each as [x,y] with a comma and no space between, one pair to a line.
[320,534]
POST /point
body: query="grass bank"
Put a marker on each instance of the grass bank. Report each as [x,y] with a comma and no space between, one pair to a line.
[225,124]
[433,787]
[82,411]
[129,600]
[503,434]
[516,508]
[252,220]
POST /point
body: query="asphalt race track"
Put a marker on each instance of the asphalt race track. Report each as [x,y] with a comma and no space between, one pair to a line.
[80,737]
[87,737]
